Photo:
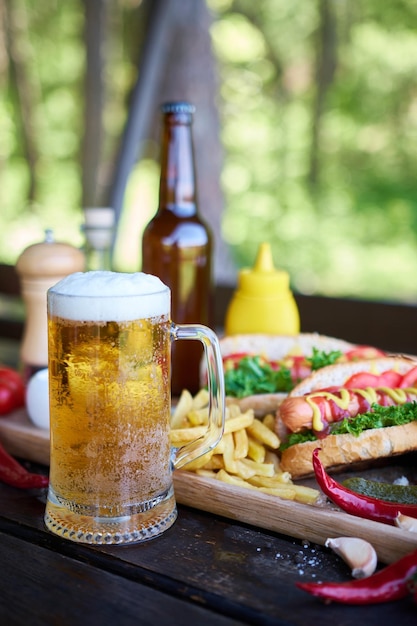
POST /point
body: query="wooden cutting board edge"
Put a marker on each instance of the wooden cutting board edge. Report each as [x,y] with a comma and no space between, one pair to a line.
[301,521]
[306,522]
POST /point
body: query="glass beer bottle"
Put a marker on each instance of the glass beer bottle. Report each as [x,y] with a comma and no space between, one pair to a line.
[177,244]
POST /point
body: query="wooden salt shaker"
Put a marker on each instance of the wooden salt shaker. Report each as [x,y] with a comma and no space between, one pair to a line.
[41,266]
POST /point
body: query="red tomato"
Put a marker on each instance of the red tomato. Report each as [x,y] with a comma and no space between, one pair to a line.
[390,379]
[364,352]
[410,378]
[300,368]
[12,390]
[361,380]
[7,399]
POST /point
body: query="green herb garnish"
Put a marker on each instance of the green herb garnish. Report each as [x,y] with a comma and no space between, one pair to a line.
[253,376]
[320,359]
[379,417]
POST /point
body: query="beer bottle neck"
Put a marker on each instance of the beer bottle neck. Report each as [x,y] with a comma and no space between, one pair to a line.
[177,188]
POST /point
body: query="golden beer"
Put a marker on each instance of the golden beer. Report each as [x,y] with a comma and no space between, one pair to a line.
[109,344]
[110,401]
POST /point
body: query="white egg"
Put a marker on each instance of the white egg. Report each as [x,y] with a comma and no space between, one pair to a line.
[37,399]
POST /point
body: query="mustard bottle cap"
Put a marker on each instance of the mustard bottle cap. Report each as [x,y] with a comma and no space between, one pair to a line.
[263,279]
[263,302]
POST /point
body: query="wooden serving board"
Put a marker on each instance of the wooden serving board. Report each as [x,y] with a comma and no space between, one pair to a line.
[312,523]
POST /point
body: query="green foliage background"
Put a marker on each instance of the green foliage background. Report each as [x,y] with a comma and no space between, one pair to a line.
[352,230]
[328,177]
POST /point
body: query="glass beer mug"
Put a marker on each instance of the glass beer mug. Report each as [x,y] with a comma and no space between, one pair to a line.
[109,344]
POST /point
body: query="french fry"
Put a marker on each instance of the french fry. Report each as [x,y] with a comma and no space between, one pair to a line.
[269,421]
[216,462]
[233,480]
[184,435]
[206,473]
[246,454]
[306,495]
[219,449]
[268,481]
[240,439]
[256,450]
[259,431]
[244,471]
[260,469]
[200,462]
[198,417]
[287,493]
[232,410]
[229,454]
[201,399]
[272,457]
[243,420]
[184,406]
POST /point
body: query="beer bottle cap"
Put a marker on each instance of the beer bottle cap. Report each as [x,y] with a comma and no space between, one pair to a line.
[178,107]
[99,226]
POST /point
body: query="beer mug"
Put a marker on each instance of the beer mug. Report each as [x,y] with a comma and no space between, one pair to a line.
[111,464]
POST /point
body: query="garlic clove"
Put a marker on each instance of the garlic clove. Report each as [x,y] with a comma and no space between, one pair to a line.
[406,522]
[359,554]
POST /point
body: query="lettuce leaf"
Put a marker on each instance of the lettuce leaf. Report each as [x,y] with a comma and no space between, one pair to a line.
[320,359]
[252,376]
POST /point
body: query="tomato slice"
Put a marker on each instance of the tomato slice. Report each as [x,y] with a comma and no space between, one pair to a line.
[364,352]
[300,368]
[361,380]
[390,379]
[410,378]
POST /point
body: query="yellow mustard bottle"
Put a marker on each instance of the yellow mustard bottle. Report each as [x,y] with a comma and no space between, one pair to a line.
[263,302]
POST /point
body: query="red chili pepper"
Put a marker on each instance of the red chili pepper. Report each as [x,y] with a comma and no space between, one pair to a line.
[358,504]
[390,583]
[15,475]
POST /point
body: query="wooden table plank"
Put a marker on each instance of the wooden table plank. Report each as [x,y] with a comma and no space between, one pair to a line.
[246,573]
[41,587]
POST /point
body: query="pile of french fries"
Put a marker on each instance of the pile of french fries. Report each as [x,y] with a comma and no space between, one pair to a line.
[246,456]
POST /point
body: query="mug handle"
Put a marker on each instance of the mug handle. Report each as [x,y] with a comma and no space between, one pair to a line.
[215,375]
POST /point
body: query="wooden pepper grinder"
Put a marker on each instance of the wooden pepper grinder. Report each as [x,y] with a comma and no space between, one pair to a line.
[41,266]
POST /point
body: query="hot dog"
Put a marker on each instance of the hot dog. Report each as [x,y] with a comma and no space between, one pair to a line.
[260,370]
[326,408]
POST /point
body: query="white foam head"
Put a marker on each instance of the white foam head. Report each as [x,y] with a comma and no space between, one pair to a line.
[109,297]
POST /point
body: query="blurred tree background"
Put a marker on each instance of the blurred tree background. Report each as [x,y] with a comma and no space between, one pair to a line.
[318,116]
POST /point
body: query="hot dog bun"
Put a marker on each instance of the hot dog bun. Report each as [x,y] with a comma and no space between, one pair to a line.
[275,347]
[341,451]
[278,346]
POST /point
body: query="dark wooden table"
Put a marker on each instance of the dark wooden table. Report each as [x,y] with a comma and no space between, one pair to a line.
[204,570]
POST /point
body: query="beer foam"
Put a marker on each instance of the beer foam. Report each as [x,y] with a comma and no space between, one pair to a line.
[109,297]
